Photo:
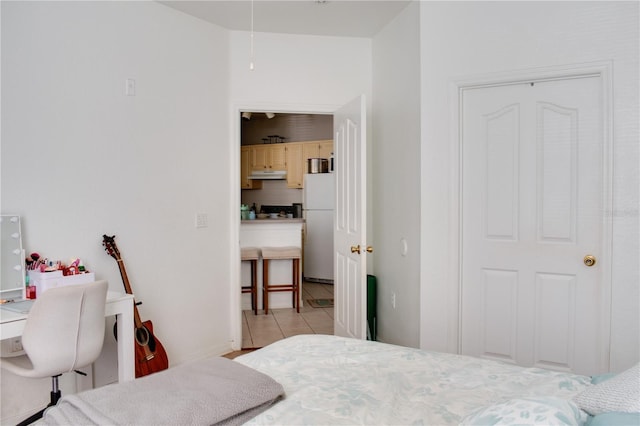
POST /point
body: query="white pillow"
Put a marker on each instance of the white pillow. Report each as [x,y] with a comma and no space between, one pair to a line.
[620,393]
[539,410]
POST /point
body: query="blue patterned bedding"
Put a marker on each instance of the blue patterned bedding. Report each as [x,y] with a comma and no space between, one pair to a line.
[335,380]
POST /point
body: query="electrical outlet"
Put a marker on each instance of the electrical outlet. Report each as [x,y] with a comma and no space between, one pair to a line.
[393,300]
[16,345]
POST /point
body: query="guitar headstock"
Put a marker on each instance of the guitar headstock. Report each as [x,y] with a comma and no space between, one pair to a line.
[110,247]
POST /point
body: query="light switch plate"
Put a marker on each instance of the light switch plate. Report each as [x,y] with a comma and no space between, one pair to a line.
[202,220]
[130,88]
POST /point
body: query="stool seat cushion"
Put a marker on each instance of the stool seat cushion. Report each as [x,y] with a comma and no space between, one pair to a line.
[250,253]
[281,252]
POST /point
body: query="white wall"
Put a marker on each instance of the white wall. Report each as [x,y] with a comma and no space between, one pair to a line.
[396,177]
[80,159]
[293,71]
[464,39]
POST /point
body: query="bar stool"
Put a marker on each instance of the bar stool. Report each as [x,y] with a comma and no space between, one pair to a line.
[281,253]
[252,254]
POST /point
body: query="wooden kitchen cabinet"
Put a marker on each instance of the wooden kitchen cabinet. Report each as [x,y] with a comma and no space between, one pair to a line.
[278,157]
[309,150]
[291,157]
[245,170]
[325,149]
[295,165]
[317,149]
[268,157]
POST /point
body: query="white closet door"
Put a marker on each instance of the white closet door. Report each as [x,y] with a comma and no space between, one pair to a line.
[532,209]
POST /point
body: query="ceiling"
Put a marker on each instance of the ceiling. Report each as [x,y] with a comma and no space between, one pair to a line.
[346,18]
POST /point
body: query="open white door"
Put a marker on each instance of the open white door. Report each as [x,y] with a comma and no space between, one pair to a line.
[350,236]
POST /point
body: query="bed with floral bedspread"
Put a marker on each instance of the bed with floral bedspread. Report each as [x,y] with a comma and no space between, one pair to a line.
[335,380]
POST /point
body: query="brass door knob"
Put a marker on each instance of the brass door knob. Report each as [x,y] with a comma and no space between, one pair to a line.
[369,249]
[589,260]
[355,249]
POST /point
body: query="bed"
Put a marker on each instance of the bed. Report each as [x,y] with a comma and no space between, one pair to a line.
[335,380]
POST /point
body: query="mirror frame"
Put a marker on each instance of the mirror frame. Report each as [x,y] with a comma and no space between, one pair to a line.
[12,279]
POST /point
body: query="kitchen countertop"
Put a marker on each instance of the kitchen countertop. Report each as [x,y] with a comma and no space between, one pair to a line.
[278,220]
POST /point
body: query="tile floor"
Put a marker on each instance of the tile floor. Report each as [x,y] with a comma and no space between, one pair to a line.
[261,330]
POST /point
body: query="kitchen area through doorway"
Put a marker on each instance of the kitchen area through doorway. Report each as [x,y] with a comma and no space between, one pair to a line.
[287,200]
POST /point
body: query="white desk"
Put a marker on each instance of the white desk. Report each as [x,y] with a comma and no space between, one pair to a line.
[118,304]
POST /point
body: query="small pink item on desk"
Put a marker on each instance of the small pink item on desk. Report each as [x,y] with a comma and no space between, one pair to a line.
[31,292]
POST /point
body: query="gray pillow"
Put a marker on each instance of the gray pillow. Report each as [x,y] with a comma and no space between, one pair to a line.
[620,393]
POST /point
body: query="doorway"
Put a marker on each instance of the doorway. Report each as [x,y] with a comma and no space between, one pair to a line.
[259,127]
[534,191]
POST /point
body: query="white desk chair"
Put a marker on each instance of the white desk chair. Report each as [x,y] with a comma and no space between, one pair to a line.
[64,331]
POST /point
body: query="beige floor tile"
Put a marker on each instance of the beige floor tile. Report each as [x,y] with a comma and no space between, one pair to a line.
[328,331]
[282,313]
[267,339]
[270,330]
[291,314]
[257,319]
[261,330]
[315,316]
[328,311]
[292,322]
[317,291]
[289,333]
[306,308]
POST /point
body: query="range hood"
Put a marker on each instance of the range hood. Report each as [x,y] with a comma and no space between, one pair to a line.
[268,174]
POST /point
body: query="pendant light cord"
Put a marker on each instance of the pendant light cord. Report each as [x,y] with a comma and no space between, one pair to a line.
[251,66]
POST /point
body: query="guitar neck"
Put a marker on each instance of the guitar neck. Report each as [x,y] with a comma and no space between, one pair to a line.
[127,289]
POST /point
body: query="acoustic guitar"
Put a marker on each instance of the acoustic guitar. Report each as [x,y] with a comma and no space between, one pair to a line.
[150,354]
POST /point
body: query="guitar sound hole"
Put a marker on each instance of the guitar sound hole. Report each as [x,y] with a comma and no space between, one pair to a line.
[142,336]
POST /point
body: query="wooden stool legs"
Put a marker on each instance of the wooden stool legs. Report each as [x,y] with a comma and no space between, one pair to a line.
[253,288]
[294,287]
[252,255]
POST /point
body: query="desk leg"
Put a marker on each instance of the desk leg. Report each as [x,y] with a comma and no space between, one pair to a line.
[126,353]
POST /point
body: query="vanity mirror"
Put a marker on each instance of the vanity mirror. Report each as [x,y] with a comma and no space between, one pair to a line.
[13,273]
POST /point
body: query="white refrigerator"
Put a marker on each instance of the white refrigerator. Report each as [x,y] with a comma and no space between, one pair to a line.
[318,203]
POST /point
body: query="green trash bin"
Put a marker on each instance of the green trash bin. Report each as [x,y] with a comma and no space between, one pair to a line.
[371,307]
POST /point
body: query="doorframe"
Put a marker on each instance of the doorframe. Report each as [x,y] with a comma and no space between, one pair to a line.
[235,273]
[457,88]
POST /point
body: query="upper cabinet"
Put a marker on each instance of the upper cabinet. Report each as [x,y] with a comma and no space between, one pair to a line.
[303,151]
[295,165]
[246,155]
[269,157]
[291,157]
[325,149]
[317,149]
